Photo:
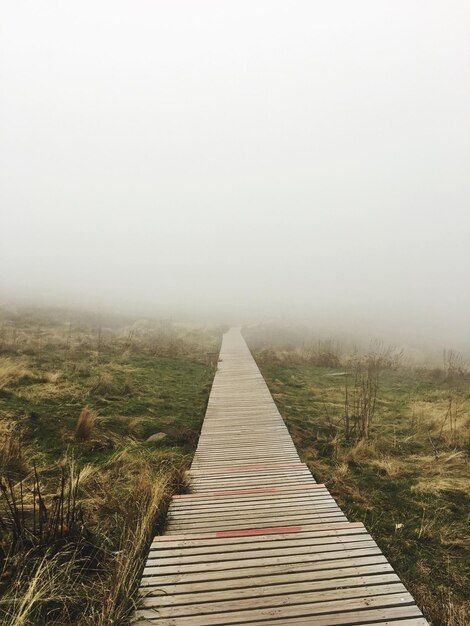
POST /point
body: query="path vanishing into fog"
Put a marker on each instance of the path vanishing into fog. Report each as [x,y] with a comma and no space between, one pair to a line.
[258,541]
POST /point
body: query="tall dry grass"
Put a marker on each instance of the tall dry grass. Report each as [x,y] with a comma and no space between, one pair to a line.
[30,333]
[86,423]
[443,422]
[13,371]
[92,579]
[121,593]
[12,452]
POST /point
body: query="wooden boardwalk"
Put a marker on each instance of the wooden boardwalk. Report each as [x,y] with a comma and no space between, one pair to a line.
[258,541]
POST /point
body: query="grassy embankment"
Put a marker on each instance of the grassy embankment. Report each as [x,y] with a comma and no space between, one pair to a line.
[82,492]
[410,481]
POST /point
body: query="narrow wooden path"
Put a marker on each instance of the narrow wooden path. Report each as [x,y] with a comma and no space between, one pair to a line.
[258,541]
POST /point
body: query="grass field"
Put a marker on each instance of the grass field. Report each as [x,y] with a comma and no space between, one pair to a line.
[82,489]
[409,482]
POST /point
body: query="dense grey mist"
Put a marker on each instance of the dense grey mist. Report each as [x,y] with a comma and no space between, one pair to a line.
[245,159]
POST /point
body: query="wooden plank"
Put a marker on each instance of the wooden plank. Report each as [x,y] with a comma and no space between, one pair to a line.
[242,504]
[271,593]
[319,609]
[259,507]
[282,509]
[250,468]
[254,543]
[257,584]
[260,504]
[255,546]
[274,600]
[261,500]
[152,576]
[208,540]
[307,520]
[306,488]
[390,616]
[219,566]
[260,553]
[257,496]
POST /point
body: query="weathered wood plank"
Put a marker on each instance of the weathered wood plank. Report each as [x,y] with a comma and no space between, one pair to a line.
[278,600]
[155,575]
[319,609]
[223,566]
[256,584]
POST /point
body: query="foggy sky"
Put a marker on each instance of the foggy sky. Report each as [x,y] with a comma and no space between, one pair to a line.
[252,158]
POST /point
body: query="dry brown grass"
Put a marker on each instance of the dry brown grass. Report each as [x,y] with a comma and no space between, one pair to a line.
[13,371]
[105,385]
[35,585]
[444,420]
[365,453]
[58,586]
[85,424]
[446,610]
[448,471]
[137,532]
[12,455]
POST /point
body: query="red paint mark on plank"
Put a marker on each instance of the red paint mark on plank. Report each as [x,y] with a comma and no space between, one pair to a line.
[212,535]
[281,530]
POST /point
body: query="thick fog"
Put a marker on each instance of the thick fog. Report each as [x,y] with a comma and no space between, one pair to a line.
[243,160]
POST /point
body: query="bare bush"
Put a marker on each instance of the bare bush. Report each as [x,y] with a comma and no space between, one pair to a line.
[362,385]
[325,353]
[454,365]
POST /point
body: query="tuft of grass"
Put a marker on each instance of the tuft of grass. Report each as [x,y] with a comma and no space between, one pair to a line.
[13,372]
[12,459]
[151,497]
[85,424]
[365,453]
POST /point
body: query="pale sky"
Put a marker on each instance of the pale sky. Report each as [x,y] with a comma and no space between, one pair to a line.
[248,158]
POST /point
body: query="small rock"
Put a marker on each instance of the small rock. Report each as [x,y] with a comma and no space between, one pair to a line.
[157,437]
